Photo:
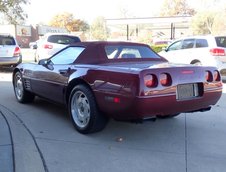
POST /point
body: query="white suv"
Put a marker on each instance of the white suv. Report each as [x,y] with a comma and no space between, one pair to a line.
[10,52]
[51,43]
[199,50]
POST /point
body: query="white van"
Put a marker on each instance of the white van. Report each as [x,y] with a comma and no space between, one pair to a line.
[199,50]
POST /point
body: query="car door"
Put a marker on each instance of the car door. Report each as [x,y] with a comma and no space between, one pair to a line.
[172,52]
[51,76]
[180,51]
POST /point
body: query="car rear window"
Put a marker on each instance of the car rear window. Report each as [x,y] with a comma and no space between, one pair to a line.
[63,39]
[123,51]
[221,41]
[6,40]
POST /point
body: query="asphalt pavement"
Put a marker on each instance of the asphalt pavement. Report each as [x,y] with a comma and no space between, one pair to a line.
[39,137]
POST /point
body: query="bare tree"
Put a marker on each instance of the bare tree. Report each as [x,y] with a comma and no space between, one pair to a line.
[13,11]
[176,8]
[99,30]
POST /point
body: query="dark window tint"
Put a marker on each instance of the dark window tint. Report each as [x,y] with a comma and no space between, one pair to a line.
[67,56]
[5,40]
[63,39]
[188,43]
[200,43]
[221,41]
[123,51]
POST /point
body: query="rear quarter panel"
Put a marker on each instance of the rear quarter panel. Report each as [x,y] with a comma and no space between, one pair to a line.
[108,85]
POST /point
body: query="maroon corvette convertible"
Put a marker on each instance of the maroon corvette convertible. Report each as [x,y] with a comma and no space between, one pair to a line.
[121,80]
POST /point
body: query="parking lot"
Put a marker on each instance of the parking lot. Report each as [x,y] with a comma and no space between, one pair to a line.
[43,139]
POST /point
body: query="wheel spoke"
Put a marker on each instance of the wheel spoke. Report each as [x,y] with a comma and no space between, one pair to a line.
[80,109]
[18,86]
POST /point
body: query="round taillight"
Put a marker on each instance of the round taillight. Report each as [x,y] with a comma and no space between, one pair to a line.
[165,79]
[209,76]
[216,76]
[150,80]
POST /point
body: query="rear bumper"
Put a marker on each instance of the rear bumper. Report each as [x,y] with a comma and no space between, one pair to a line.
[10,60]
[144,107]
[166,105]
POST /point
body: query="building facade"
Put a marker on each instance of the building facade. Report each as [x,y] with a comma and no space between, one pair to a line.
[26,34]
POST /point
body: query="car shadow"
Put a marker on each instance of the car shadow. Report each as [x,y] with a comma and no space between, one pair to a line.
[4,69]
[116,133]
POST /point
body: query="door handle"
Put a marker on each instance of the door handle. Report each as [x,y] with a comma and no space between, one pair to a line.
[64,71]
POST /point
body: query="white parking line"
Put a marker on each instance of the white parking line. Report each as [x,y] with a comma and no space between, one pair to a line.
[224,88]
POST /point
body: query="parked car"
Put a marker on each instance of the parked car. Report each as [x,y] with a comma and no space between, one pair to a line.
[51,43]
[10,52]
[200,50]
[120,80]
[33,45]
[162,42]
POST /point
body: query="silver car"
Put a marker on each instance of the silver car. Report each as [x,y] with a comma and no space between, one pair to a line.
[10,52]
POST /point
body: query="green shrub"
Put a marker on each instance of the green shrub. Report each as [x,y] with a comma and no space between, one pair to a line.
[158,48]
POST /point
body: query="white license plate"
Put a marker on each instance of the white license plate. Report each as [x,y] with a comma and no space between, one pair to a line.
[187,91]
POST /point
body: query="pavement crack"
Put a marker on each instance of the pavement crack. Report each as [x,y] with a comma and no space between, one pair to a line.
[29,132]
[11,140]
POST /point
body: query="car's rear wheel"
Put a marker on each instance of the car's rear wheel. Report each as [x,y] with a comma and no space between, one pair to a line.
[84,112]
[21,94]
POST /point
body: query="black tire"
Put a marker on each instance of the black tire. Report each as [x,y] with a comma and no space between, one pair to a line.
[22,95]
[168,116]
[84,112]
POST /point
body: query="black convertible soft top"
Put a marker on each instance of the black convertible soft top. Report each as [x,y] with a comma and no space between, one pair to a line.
[95,53]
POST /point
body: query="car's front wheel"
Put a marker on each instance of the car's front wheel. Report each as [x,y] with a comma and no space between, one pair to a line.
[22,95]
[84,111]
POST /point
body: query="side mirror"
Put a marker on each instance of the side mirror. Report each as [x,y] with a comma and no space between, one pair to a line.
[46,63]
[165,49]
[35,46]
[42,62]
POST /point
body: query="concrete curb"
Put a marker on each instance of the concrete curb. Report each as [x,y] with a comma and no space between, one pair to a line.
[6,148]
[21,153]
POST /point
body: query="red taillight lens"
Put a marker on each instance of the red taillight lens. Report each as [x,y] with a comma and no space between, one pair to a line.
[116,100]
[217,52]
[165,79]
[47,46]
[17,51]
[216,76]
[209,76]
[150,81]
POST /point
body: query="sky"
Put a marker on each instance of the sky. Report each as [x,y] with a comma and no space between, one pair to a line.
[41,11]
